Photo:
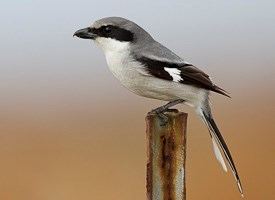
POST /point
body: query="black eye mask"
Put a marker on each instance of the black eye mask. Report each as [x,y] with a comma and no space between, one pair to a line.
[114,32]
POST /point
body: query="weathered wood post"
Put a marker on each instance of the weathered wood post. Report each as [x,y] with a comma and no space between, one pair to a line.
[166,152]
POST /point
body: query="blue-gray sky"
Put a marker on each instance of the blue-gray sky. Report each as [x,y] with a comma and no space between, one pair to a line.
[221,37]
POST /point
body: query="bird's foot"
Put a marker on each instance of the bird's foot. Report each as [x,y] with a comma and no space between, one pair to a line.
[160,112]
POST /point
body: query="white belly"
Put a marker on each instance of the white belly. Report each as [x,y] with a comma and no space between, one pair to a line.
[129,73]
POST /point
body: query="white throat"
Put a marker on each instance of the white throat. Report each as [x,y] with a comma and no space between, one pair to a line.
[111,45]
[117,55]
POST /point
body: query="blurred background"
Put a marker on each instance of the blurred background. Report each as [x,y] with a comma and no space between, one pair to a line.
[68,130]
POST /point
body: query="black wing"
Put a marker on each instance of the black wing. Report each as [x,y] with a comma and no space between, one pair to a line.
[188,73]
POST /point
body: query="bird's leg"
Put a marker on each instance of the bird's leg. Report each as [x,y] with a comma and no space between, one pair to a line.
[165,107]
[160,110]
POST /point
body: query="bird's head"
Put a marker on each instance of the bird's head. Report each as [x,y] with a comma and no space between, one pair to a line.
[113,33]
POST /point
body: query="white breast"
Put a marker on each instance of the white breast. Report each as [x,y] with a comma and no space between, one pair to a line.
[132,75]
[117,56]
[118,63]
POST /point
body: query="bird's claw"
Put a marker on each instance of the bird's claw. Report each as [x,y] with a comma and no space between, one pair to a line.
[161,115]
[163,119]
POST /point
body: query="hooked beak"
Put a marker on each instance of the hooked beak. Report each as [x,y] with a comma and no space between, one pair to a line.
[85,33]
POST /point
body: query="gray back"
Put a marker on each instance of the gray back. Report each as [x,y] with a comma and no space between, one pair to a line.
[144,44]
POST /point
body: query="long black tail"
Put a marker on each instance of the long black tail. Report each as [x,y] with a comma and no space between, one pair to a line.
[217,136]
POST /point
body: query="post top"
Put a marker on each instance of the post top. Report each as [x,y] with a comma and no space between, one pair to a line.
[170,112]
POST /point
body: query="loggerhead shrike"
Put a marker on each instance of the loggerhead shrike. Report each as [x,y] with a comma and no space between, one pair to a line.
[147,68]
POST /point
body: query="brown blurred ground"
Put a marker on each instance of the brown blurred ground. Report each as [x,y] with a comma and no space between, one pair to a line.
[71,151]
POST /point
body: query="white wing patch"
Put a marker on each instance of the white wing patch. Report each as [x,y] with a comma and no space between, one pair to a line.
[175,73]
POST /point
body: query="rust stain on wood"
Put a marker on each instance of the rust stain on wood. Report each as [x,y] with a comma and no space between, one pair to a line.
[167,167]
[166,157]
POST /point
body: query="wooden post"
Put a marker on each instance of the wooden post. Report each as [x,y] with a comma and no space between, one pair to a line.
[166,152]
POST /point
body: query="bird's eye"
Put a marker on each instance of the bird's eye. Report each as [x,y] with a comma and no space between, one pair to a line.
[107,29]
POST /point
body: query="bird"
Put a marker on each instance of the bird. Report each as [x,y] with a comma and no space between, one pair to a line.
[149,69]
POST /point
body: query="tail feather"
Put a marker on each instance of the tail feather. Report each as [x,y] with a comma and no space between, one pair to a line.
[220,91]
[218,154]
[217,138]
